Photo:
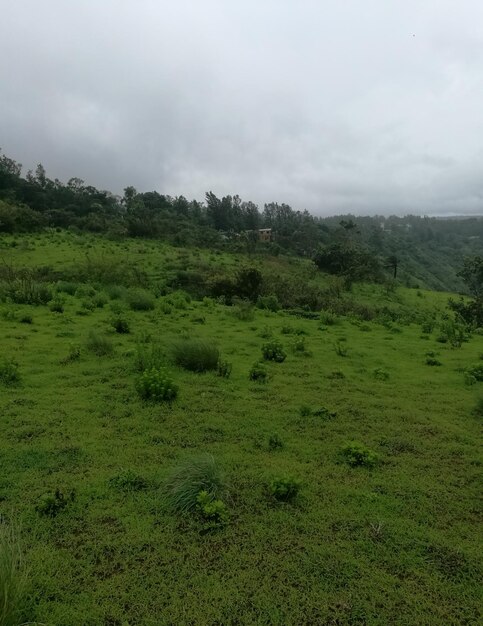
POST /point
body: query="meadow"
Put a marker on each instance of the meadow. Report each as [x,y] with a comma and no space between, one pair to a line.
[343,450]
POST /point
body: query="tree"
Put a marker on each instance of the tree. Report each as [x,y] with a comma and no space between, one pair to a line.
[472,274]
[393,263]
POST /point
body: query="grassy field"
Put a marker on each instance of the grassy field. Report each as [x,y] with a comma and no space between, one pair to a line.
[381,534]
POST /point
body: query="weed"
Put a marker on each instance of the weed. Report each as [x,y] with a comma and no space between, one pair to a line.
[66,287]
[57,305]
[259,373]
[478,410]
[9,372]
[51,504]
[128,480]
[275,442]
[120,325]
[98,344]
[357,454]
[12,577]
[140,300]
[26,318]
[223,369]
[305,411]
[189,478]
[270,303]
[74,354]
[273,351]
[327,318]
[243,310]
[476,371]
[324,413]
[340,349]
[212,510]
[380,374]
[432,361]
[336,375]
[157,386]
[300,347]
[285,488]
[196,355]
[148,356]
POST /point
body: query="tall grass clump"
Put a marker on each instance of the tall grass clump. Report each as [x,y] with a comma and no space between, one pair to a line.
[98,344]
[149,356]
[196,355]
[189,479]
[9,372]
[140,300]
[12,580]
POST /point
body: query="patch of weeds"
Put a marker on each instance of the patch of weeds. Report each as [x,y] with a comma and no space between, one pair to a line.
[336,375]
[212,510]
[140,300]
[198,319]
[285,488]
[120,325]
[66,287]
[380,374]
[305,411]
[98,344]
[189,479]
[273,351]
[324,413]
[157,386]
[100,300]
[340,349]
[26,318]
[74,355]
[327,318]
[195,355]
[269,303]
[432,361]
[292,330]
[478,410]
[476,371]
[51,504]
[275,442]
[128,480]
[300,347]
[357,454]
[148,356]
[243,310]
[57,305]
[9,372]
[12,577]
[223,369]
[258,372]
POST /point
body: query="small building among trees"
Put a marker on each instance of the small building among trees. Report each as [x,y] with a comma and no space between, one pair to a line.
[264,234]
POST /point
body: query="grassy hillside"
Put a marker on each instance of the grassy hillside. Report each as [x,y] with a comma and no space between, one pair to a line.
[383,532]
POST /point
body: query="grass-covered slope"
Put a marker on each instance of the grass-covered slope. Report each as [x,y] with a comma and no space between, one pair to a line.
[383,532]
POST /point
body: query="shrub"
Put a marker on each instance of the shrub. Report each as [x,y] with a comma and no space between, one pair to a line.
[141,300]
[57,305]
[336,375]
[476,371]
[478,410]
[51,504]
[213,511]
[243,310]
[305,411]
[26,318]
[273,351]
[327,318]
[24,289]
[128,480]
[380,374]
[9,373]
[100,300]
[74,354]
[66,287]
[299,346]
[149,356]
[285,488]
[12,577]
[292,330]
[157,386]
[189,478]
[358,455]
[432,361]
[98,344]
[115,292]
[223,369]
[195,355]
[269,303]
[258,372]
[340,349]
[275,442]
[120,325]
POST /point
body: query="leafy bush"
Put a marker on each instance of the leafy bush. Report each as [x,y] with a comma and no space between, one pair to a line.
[380,374]
[141,300]
[74,354]
[358,455]
[26,318]
[340,349]
[9,372]
[120,325]
[243,310]
[258,372]
[275,442]
[115,292]
[223,369]
[24,289]
[12,577]
[273,351]
[327,318]
[195,355]
[149,356]
[432,361]
[213,511]
[269,303]
[478,410]
[66,287]
[305,411]
[98,344]
[57,305]
[51,504]
[324,413]
[336,375]
[292,330]
[476,371]
[128,480]
[100,300]
[285,488]
[157,386]
[299,346]
[189,479]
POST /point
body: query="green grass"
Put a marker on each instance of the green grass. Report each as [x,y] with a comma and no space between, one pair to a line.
[395,543]
[12,577]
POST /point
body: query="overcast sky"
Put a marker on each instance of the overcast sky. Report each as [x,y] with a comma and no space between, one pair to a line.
[362,106]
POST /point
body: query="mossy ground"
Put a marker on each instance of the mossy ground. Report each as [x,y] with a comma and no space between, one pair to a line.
[395,544]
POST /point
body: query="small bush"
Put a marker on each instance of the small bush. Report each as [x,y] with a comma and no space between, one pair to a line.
[243,310]
[12,578]
[258,372]
[327,318]
[300,347]
[189,479]
[273,351]
[305,411]
[115,292]
[88,305]
[213,511]
[324,413]
[292,330]
[120,325]
[380,374]
[336,375]
[100,300]
[476,371]
[157,386]
[432,361]
[98,344]
[26,318]
[51,504]
[128,480]
[223,369]
[195,355]
[275,442]
[149,356]
[74,355]
[357,454]
[340,349]
[478,410]
[141,300]
[285,488]
[269,303]
[67,287]
[9,372]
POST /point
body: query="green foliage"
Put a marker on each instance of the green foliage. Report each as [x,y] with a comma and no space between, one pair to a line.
[149,356]
[120,325]
[156,385]
[472,274]
[67,287]
[324,413]
[12,577]
[476,371]
[191,477]
[258,372]
[24,289]
[327,318]
[432,361]
[285,488]
[275,442]
[299,346]
[223,369]
[273,351]
[357,454]
[196,355]
[478,410]
[128,480]
[340,349]
[213,511]
[336,375]
[99,344]
[57,305]
[269,303]
[243,310]
[74,354]
[380,374]
[51,504]
[26,318]
[140,300]
[9,372]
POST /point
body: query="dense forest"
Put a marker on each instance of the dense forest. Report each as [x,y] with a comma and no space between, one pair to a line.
[417,251]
